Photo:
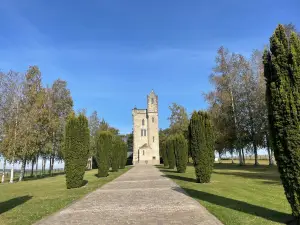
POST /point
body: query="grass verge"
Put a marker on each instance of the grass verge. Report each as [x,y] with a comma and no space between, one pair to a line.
[239,194]
[28,201]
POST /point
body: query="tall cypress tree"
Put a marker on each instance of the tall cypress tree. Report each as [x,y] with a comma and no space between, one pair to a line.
[170,152]
[282,73]
[77,139]
[201,145]
[116,153]
[103,147]
[181,152]
[164,154]
[123,154]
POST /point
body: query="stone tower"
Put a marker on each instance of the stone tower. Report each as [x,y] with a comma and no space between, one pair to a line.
[145,132]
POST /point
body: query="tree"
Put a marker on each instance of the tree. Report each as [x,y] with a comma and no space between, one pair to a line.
[179,120]
[11,96]
[202,145]
[170,152]
[282,73]
[60,104]
[116,153]
[94,124]
[181,152]
[104,145]
[123,154]
[163,135]
[77,140]
[130,142]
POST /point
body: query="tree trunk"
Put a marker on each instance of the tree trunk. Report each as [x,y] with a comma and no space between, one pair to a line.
[44,166]
[36,165]
[50,162]
[12,171]
[32,166]
[51,165]
[3,174]
[220,158]
[255,154]
[273,157]
[240,157]
[22,170]
[244,162]
[231,156]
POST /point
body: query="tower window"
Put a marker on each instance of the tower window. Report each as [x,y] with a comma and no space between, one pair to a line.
[145,134]
[143,152]
[142,132]
[152,101]
[143,122]
[153,138]
[152,119]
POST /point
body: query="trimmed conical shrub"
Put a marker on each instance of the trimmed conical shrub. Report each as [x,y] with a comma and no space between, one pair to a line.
[116,153]
[77,139]
[282,73]
[181,152]
[201,145]
[103,147]
[170,152]
[123,154]
[164,154]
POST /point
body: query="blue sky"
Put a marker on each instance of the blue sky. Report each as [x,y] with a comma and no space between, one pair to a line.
[112,53]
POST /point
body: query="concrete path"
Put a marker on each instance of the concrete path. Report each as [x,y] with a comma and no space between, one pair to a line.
[140,196]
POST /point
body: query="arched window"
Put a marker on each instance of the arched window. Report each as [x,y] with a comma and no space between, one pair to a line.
[152,119]
[143,152]
[143,122]
[142,132]
[153,138]
[152,100]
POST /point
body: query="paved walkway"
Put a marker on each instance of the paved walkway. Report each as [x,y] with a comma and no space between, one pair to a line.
[140,196]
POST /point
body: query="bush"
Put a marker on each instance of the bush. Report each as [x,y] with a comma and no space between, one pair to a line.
[77,139]
[201,145]
[116,153]
[103,147]
[170,152]
[181,152]
[123,155]
[282,70]
[164,154]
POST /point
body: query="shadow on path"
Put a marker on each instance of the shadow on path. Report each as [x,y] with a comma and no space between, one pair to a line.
[241,206]
[12,203]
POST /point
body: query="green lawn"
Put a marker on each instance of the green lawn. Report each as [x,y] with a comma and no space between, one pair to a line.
[28,201]
[239,195]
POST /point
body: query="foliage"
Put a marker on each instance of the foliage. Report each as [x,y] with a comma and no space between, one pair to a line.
[123,155]
[237,104]
[171,152]
[282,72]
[179,120]
[76,149]
[202,145]
[103,145]
[116,153]
[163,134]
[181,152]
